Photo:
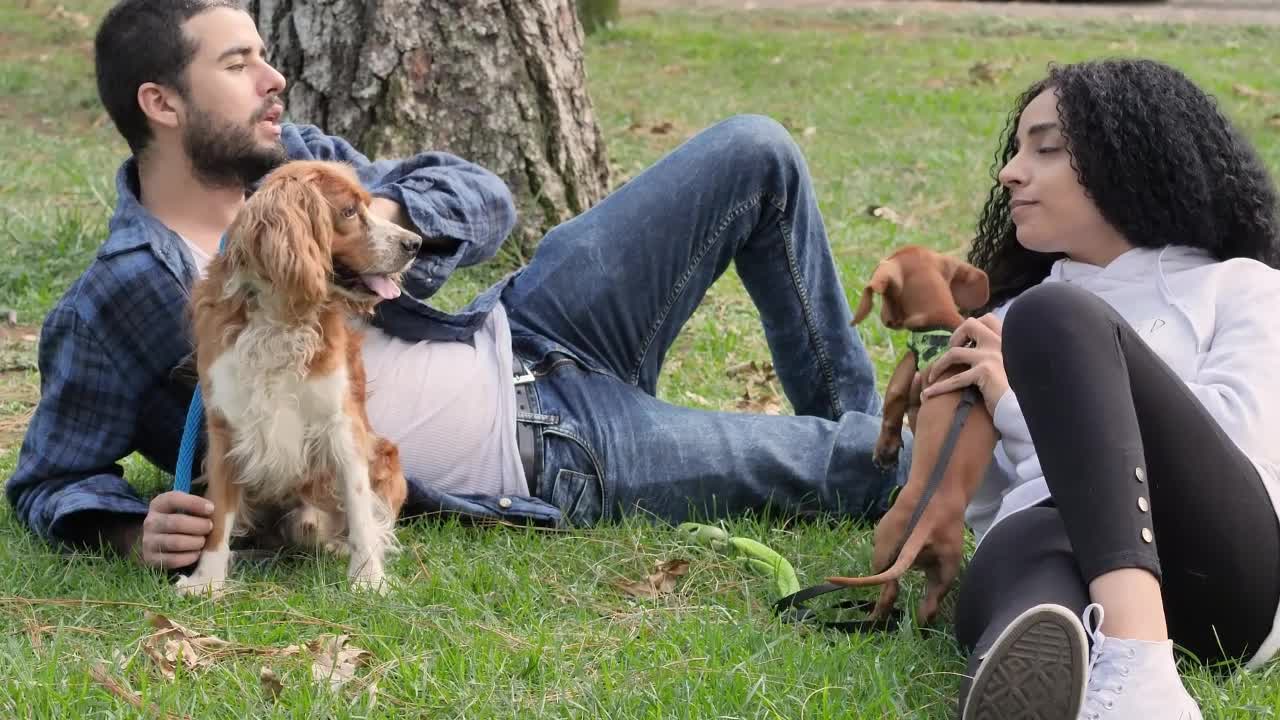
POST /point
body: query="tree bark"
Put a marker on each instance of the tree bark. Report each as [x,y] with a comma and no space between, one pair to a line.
[501,83]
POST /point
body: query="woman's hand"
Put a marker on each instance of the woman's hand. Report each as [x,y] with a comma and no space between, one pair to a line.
[985,362]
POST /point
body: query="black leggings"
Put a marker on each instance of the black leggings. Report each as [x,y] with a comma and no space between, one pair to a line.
[1141,477]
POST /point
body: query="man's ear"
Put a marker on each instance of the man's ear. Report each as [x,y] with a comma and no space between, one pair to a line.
[886,282]
[969,286]
[160,104]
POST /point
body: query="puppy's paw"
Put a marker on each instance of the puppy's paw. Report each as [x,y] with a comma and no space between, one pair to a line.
[376,584]
[885,455]
[367,575]
[338,548]
[201,586]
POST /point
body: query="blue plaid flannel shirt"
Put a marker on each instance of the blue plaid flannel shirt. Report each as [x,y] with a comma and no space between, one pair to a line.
[115,359]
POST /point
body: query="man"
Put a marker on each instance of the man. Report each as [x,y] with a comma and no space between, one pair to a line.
[187,84]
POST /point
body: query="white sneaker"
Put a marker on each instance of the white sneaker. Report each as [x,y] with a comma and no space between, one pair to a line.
[1035,670]
[1133,679]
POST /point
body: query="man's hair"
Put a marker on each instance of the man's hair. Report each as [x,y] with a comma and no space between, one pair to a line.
[141,41]
[1158,157]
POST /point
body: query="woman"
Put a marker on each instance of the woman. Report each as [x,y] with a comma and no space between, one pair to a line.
[1131,364]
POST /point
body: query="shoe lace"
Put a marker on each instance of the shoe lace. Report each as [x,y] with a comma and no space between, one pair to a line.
[1108,667]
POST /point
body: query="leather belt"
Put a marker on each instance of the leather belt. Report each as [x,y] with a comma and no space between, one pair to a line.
[526,433]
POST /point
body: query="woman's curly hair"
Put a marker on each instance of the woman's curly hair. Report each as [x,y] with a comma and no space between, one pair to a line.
[1157,156]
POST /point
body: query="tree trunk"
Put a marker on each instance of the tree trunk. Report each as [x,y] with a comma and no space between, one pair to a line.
[501,83]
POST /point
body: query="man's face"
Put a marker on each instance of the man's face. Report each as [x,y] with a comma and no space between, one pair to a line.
[231,129]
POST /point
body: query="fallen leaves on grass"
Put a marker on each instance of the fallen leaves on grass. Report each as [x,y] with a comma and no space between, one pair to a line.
[80,20]
[661,582]
[175,645]
[334,662]
[989,72]
[662,127]
[761,392]
[1274,121]
[1248,91]
[271,684]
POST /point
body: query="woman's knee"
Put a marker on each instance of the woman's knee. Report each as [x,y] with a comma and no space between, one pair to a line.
[1050,319]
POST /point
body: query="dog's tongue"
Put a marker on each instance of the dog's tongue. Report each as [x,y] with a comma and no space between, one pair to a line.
[382,285]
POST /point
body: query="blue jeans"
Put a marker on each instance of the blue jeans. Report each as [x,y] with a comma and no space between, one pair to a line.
[613,287]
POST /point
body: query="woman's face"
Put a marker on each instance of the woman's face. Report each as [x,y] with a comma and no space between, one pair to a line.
[1047,203]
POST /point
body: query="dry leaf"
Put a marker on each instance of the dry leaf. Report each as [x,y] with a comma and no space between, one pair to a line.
[988,72]
[764,403]
[775,60]
[80,20]
[271,684]
[1245,91]
[660,583]
[810,131]
[662,128]
[885,213]
[935,83]
[335,661]
[175,644]
[673,70]
[688,395]
[761,394]
[753,371]
[1274,120]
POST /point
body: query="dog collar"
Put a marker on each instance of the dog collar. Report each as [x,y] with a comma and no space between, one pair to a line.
[928,345]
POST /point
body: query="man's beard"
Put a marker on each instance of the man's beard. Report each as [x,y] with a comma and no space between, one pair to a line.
[224,154]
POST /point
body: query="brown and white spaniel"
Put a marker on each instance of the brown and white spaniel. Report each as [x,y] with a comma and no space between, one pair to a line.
[276,324]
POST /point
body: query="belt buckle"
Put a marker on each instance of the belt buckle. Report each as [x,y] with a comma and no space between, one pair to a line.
[525,378]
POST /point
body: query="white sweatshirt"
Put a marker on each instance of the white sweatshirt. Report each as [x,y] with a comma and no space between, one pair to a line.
[1217,326]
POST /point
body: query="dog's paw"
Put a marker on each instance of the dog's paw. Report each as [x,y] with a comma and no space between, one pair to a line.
[201,586]
[885,456]
[338,548]
[367,575]
[376,584]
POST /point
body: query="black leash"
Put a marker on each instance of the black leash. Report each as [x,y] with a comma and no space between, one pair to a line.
[792,606]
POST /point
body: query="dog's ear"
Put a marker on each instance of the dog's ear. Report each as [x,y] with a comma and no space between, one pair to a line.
[886,282]
[969,286]
[284,234]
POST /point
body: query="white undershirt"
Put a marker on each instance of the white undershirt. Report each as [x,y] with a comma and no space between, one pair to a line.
[450,407]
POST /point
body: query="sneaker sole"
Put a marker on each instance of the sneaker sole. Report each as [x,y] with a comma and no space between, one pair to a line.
[1035,670]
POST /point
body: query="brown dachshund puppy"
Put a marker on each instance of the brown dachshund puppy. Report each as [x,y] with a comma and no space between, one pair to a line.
[920,291]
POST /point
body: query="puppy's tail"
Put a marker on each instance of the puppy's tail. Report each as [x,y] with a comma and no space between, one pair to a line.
[906,557]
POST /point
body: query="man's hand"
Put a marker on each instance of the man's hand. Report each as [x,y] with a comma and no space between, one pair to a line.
[174,531]
[395,212]
[391,210]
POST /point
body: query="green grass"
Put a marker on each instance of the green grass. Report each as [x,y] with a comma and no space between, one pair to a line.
[511,623]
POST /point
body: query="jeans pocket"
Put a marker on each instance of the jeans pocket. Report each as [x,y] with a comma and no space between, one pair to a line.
[578,496]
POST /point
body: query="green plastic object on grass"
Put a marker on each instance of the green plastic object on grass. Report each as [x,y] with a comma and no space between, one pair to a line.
[757,556]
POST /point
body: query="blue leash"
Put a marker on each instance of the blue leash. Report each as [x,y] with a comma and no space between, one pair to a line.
[191,430]
[190,437]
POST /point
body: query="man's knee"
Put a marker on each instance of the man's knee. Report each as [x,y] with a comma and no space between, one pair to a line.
[757,142]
